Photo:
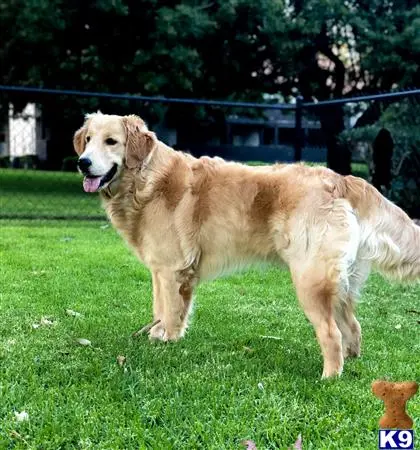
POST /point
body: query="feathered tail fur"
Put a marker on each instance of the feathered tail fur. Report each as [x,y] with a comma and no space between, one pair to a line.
[389,238]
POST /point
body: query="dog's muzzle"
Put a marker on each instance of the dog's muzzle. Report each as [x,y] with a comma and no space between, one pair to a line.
[94,183]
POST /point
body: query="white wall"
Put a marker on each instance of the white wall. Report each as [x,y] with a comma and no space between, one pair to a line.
[25,133]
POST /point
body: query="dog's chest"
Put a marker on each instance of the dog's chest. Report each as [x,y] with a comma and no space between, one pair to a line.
[151,236]
[126,220]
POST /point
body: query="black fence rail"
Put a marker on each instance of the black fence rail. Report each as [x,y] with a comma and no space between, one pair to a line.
[38,176]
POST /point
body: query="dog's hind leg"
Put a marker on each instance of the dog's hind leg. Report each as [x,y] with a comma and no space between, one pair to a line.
[318,293]
[349,327]
[321,271]
[345,310]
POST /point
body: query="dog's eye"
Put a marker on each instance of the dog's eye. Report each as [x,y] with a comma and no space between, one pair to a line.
[87,138]
[110,141]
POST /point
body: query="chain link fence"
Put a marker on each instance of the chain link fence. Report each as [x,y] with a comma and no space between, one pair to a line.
[38,177]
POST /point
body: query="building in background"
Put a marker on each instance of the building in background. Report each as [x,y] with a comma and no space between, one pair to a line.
[23,135]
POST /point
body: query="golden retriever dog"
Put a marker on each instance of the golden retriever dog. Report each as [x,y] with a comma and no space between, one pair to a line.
[190,220]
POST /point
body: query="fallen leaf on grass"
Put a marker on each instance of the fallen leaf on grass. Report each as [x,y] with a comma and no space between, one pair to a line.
[72,313]
[249,445]
[22,416]
[38,272]
[84,342]
[121,360]
[46,322]
[9,344]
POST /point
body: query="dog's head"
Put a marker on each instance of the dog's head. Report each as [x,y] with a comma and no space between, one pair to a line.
[107,145]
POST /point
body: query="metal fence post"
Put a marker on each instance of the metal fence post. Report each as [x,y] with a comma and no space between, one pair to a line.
[298,128]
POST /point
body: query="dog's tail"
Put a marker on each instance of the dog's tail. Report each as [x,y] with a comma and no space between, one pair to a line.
[389,238]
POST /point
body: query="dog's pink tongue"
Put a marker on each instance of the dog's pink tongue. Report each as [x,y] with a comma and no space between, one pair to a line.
[91,184]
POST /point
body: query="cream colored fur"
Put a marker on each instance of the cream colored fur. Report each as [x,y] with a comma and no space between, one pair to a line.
[192,219]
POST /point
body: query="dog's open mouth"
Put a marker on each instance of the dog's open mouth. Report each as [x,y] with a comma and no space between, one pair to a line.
[93,184]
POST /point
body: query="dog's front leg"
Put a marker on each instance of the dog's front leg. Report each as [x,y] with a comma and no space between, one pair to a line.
[171,304]
[158,330]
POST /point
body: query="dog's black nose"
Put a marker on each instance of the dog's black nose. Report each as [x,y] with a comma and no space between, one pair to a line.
[83,164]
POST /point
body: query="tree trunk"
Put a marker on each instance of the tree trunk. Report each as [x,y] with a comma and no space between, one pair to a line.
[332,117]
[383,148]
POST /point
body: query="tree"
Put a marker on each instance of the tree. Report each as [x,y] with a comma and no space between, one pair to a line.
[230,49]
[349,48]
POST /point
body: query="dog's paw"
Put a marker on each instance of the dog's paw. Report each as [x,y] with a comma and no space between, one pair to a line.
[172,335]
[330,373]
[161,333]
[157,332]
[351,352]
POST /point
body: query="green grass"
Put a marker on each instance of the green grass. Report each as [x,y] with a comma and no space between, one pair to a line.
[360,170]
[32,193]
[202,392]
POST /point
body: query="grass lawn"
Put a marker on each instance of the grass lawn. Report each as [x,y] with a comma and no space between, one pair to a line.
[30,193]
[222,384]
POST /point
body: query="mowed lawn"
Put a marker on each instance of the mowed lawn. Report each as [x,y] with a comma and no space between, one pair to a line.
[30,193]
[224,383]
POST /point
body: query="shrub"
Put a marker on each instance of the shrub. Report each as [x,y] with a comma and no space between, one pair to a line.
[69,164]
[25,162]
[4,162]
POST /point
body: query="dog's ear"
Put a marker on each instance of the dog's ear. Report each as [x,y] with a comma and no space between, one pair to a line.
[140,141]
[79,139]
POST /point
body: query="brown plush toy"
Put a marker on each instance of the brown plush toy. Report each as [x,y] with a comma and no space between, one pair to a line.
[395,397]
